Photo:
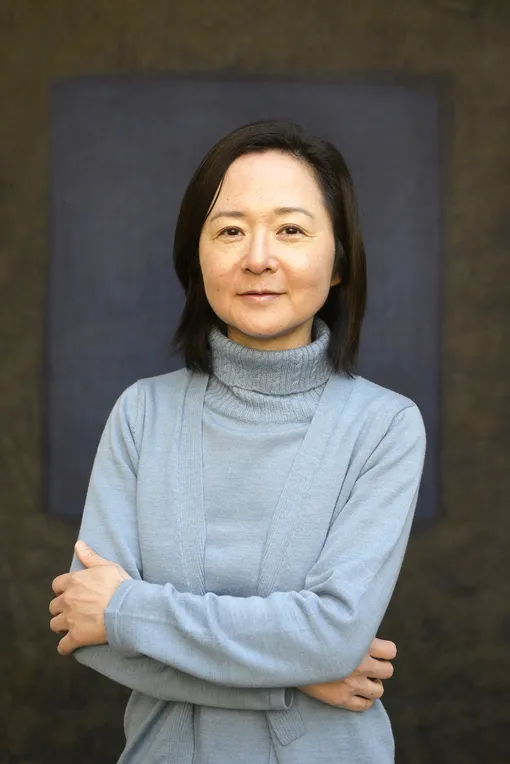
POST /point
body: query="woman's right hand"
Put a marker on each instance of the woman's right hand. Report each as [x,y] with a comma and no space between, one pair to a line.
[358,691]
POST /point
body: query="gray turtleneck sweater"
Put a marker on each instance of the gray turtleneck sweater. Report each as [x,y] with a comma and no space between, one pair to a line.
[262,512]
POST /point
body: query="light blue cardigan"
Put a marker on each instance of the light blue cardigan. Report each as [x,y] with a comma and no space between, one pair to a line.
[331,561]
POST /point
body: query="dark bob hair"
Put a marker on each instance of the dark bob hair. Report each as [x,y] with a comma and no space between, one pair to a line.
[344,307]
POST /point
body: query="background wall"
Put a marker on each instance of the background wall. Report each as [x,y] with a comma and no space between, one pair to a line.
[450,615]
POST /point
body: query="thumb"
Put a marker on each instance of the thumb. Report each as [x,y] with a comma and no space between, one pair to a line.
[87,556]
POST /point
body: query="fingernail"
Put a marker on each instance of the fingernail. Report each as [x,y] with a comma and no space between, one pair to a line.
[81,545]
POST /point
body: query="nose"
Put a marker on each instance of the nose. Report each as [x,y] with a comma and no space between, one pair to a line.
[258,257]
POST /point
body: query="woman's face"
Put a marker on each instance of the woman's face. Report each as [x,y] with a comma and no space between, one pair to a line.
[253,240]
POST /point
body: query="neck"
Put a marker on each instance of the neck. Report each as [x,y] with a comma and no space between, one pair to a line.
[268,385]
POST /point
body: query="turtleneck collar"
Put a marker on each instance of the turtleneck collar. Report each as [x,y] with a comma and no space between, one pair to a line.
[272,372]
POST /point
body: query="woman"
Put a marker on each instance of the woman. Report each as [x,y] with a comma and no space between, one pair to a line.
[247,515]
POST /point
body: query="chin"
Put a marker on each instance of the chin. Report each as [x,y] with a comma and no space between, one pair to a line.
[261,329]
[274,336]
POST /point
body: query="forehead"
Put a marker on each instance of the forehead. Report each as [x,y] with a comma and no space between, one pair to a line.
[272,176]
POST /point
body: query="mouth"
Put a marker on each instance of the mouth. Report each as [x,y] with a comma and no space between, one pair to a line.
[260,296]
[259,291]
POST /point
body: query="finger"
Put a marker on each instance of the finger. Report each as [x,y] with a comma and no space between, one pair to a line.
[370,688]
[384,670]
[375,668]
[365,687]
[59,624]
[357,703]
[66,645]
[379,688]
[87,556]
[56,606]
[60,583]
[383,648]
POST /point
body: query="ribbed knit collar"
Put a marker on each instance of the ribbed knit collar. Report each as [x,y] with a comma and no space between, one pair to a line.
[272,372]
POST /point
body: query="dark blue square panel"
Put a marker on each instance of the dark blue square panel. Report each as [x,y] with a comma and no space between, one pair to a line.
[122,152]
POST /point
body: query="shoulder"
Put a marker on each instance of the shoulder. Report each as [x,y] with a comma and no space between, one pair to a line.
[161,386]
[153,388]
[142,399]
[370,392]
[381,410]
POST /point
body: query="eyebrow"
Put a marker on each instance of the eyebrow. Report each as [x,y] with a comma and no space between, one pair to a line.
[277,211]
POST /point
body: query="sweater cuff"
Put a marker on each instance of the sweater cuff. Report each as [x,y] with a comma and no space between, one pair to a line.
[117,637]
[281,698]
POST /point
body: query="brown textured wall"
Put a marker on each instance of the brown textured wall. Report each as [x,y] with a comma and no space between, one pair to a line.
[450,615]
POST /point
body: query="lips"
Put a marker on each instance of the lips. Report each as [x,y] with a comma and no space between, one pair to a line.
[260,297]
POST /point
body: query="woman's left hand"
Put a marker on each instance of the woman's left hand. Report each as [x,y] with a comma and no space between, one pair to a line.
[82,598]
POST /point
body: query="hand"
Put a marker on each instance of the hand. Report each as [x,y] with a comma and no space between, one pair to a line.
[358,691]
[82,598]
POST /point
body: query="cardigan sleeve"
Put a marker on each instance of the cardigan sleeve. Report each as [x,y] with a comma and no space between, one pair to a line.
[291,638]
[109,527]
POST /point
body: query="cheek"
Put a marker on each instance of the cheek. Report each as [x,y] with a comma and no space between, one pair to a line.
[308,276]
[215,274]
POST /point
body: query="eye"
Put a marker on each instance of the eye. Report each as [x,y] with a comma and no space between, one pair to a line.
[293,228]
[230,229]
